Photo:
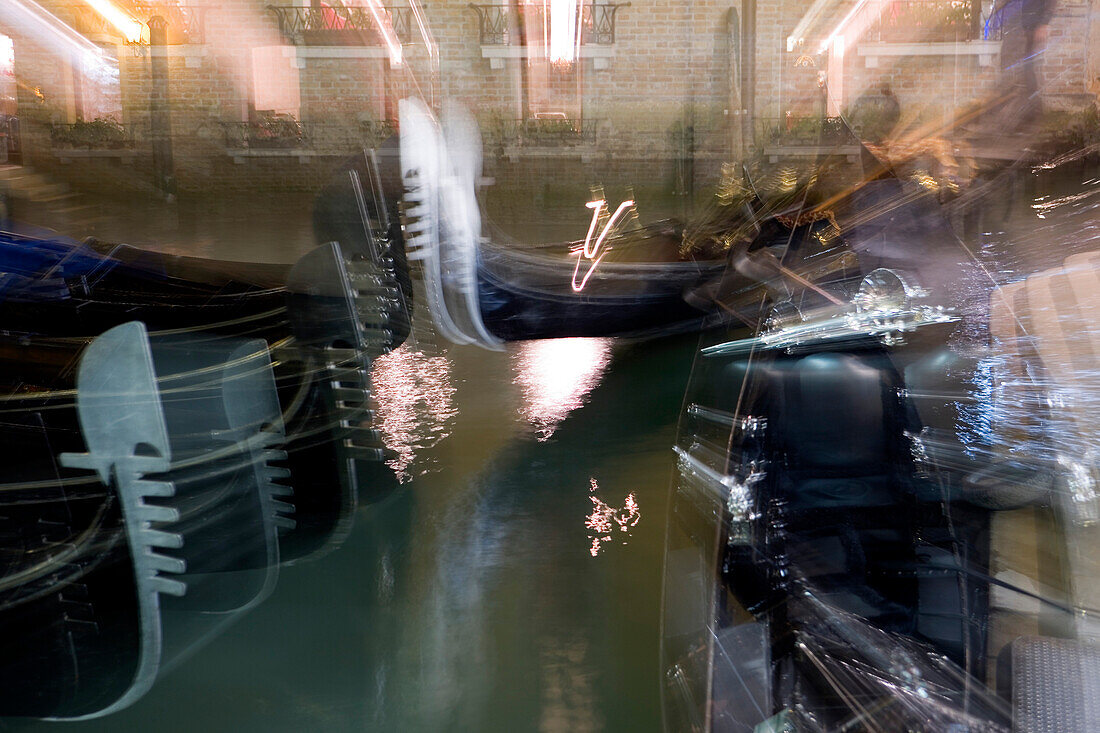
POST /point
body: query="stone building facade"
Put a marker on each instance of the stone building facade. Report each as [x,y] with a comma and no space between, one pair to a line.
[259,97]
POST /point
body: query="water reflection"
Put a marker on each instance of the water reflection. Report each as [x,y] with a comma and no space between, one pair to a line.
[568,698]
[415,404]
[556,377]
[1044,205]
[603,520]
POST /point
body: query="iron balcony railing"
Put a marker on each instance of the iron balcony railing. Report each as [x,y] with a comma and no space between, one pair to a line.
[284,133]
[549,132]
[804,131]
[930,21]
[340,26]
[503,25]
[98,134]
[185,24]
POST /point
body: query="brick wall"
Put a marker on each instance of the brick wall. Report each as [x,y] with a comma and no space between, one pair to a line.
[664,94]
[928,86]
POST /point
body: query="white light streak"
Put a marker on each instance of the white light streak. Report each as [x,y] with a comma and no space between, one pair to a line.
[565,34]
[34,20]
[385,29]
[7,56]
[590,248]
[838,31]
[807,22]
[422,26]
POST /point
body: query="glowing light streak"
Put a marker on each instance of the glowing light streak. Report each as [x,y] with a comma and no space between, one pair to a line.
[35,20]
[546,28]
[422,26]
[838,31]
[130,27]
[564,30]
[7,56]
[807,21]
[385,29]
[590,248]
[603,520]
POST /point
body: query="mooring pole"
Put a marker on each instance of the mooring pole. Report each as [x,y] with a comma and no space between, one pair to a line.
[160,117]
[748,74]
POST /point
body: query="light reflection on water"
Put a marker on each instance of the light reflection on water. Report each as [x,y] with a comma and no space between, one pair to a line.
[603,520]
[416,409]
[556,377]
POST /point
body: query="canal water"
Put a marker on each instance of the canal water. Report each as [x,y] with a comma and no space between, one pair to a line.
[511,579]
[512,582]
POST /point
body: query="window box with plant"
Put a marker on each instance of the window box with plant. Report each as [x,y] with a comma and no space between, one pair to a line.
[101,133]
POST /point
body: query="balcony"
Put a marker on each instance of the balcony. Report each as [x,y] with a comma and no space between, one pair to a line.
[185,24]
[930,28]
[807,137]
[548,137]
[98,138]
[501,30]
[501,25]
[340,26]
[282,136]
[926,21]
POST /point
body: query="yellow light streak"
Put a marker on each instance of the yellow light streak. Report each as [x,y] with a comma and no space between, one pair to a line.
[129,26]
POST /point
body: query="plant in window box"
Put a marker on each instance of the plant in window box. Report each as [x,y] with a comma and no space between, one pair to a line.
[927,21]
[801,131]
[102,133]
[374,132]
[549,130]
[495,131]
[276,130]
[807,131]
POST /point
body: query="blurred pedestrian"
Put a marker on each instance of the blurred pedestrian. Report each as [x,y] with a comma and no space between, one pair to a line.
[1025,25]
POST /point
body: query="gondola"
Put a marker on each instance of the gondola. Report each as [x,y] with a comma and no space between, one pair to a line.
[175,429]
[618,281]
[882,515]
[860,482]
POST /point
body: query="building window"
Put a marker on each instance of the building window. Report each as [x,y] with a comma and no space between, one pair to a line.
[98,90]
[553,90]
[7,77]
[275,83]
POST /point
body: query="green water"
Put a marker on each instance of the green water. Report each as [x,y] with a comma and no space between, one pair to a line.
[511,582]
[473,598]
[470,599]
